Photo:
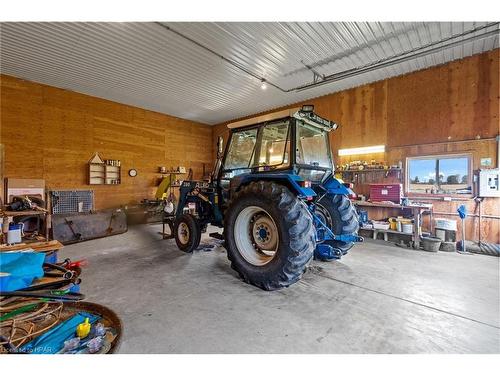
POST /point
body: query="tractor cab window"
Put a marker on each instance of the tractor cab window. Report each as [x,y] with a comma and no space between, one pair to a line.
[312,146]
[273,148]
[241,149]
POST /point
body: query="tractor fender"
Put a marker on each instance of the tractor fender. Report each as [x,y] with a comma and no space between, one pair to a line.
[290,180]
[336,186]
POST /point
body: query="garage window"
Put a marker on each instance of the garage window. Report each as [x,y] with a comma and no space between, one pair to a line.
[439,174]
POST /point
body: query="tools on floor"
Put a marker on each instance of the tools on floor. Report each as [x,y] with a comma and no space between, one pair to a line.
[41,309]
[83,329]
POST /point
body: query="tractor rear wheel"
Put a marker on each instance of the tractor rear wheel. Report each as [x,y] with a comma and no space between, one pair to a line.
[269,235]
[187,233]
[337,211]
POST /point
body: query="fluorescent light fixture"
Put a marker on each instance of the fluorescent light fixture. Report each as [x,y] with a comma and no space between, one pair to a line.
[361,150]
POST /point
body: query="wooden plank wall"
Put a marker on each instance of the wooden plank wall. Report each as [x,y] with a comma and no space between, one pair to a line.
[411,114]
[51,133]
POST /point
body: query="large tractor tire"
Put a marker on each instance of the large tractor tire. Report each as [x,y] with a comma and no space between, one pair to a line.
[337,211]
[269,235]
[187,233]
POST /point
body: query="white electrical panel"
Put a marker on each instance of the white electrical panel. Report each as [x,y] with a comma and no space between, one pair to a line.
[488,183]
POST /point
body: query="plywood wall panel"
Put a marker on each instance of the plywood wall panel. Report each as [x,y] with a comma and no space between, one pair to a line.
[455,101]
[51,133]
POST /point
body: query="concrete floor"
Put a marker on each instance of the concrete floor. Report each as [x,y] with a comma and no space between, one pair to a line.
[378,299]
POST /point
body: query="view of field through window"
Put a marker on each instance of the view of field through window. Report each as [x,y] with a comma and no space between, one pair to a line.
[439,175]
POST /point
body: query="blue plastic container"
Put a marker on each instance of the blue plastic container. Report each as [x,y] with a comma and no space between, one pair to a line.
[51,257]
[363,216]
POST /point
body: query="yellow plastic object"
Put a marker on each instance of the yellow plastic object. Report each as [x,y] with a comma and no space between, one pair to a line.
[162,189]
[83,329]
[394,224]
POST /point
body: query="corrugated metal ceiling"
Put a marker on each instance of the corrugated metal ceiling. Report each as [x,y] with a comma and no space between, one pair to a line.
[211,72]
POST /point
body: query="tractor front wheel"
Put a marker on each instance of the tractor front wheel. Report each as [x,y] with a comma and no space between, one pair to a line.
[270,236]
[187,233]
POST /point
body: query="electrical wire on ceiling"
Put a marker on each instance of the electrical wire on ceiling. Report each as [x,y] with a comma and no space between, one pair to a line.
[319,80]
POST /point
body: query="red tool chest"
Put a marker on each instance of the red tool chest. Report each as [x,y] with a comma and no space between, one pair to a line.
[386,192]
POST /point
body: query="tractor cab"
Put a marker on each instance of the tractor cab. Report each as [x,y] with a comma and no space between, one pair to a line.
[294,142]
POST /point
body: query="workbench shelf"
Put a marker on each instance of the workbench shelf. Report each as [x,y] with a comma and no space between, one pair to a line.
[5,215]
[417,212]
[368,170]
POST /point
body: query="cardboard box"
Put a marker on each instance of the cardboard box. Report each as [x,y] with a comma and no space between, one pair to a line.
[24,186]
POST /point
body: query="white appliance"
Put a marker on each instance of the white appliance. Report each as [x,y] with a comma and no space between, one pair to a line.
[489,183]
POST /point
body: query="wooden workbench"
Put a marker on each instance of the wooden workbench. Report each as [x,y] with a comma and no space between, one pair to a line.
[417,211]
[42,212]
[41,247]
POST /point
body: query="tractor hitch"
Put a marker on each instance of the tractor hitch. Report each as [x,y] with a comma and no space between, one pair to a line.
[326,252]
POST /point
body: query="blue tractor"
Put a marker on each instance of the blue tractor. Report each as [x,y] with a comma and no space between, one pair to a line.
[274,193]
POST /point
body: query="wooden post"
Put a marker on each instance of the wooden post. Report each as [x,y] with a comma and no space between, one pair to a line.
[5,228]
[2,187]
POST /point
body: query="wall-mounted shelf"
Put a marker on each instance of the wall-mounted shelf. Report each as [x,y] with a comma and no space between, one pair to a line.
[104,172]
[368,170]
[364,177]
[370,175]
[169,173]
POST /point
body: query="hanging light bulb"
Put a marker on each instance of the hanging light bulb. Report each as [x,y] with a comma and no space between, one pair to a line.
[263,86]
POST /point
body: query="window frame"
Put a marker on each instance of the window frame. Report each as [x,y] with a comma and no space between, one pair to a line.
[254,164]
[228,149]
[470,177]
[308,166]
[259,127]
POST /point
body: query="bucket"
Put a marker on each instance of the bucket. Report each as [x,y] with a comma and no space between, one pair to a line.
[407,228]
[431,244]
[394,223]
[15,233]
[448,246]
[400,221]
[446,235]
[441,234]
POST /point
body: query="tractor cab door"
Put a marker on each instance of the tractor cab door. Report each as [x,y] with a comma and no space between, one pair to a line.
[238,158]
